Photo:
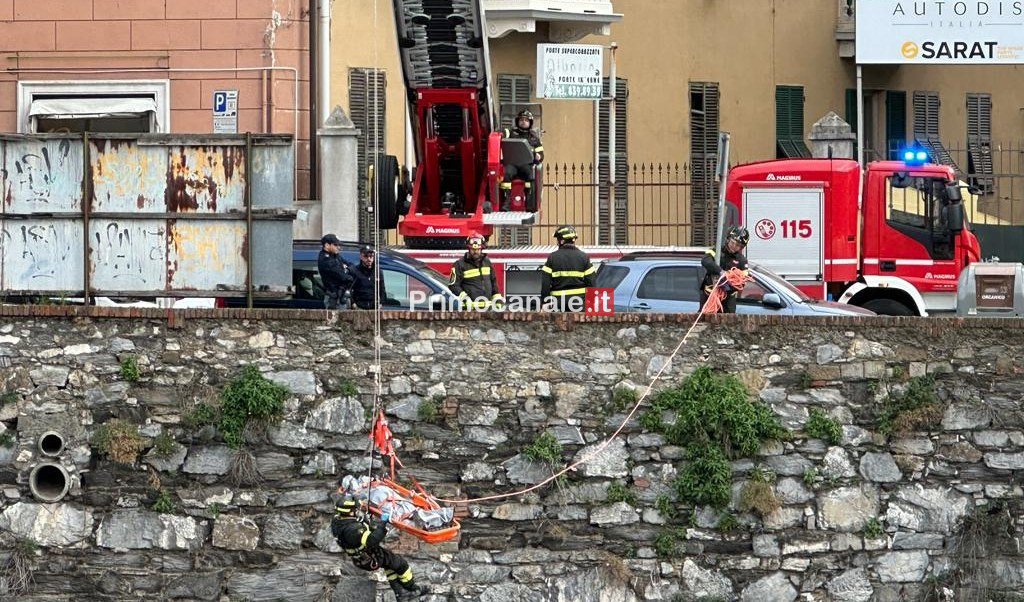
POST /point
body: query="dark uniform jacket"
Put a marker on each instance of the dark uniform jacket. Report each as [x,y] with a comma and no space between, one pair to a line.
[713,270]
[473,279]
[362,287]
[334,273]
[531,136]
[361,543]
[568,271]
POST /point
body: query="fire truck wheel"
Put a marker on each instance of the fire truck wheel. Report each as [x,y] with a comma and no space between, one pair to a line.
[435,242]
[888,307]
[389,188]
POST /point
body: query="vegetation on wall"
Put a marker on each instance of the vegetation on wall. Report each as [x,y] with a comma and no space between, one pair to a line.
[916,407]
[118,440]
[249,398]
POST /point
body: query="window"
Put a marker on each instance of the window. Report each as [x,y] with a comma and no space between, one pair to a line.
[367,107]
[609,275]
[704,110]
[131,106]
[789,122]
[307,284]
[752,293]
[670,284]
[918,210]
[979,142]
[926,128]
[400,287]
[895,121]
[617,208]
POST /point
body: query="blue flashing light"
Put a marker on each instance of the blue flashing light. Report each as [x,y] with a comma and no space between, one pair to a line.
[914,156]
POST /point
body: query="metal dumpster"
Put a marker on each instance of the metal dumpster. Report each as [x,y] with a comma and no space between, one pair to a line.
[992,290]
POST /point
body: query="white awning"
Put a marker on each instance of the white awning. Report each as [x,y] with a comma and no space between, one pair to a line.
[82,108]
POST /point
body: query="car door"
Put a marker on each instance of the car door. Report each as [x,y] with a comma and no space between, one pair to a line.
[405,287]
[751,300]
[667,288]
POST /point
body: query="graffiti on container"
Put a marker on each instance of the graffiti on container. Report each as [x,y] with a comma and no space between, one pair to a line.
[35,173]
[38,253]
[129,256]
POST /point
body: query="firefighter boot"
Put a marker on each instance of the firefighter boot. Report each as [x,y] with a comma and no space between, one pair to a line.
[412,591]
[506,194]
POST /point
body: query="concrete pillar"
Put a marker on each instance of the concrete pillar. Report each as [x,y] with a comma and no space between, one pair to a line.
[831,132]
[339,177]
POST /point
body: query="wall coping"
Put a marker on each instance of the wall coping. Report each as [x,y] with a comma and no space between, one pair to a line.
[563,320]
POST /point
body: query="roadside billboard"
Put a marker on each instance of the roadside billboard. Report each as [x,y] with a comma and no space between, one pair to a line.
[572,71]
[927,32]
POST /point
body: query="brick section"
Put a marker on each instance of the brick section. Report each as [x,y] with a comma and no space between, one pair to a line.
[129,9]
[233,35]
[94,35]
[202,59]
[48,10]
[163,35]
[201,9]
[27,36]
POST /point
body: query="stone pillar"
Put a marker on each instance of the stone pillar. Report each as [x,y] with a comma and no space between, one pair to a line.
[831,132]
[339,177]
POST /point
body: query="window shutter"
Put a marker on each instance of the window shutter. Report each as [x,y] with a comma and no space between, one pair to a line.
[979,141]
[513,96]
[895,121]
[789,122]
[851,109]
[704,131]
[926,128]
[366,105]
[621,168]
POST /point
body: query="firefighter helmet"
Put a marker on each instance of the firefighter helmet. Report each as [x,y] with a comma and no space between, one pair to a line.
[346,507]
[475,241]
[565,233]
[524,114]
[740,234]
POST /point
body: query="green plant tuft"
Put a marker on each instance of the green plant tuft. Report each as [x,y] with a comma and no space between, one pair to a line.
[249,396]
[7,439]
[618,492]
[822,426]
[118,440]
[163,503]
[129,368]
[8,397]
[728,522]
[427,410]
[757,494]
[544,448]
[873,528]
[667,543]
[810,476]
[201,416]
[163,445]
[623,397]
[347,388]
[663,504]
[916,408]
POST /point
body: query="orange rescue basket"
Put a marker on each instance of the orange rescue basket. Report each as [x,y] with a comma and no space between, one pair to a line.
[420,500]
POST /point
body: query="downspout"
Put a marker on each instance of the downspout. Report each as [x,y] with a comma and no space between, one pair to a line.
[314,106]
[324,61]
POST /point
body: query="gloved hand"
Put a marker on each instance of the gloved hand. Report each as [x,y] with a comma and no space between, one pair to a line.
[728,288]
[385,517]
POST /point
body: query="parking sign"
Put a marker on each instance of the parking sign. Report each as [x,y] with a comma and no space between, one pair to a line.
[225,112]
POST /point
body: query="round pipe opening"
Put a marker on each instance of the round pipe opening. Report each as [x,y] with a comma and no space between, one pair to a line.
[49,482]
[51,443]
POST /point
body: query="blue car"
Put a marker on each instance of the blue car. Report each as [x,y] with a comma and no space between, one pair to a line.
[403,276]
[670,283]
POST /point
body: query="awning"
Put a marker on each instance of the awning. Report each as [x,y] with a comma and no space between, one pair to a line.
[82,108]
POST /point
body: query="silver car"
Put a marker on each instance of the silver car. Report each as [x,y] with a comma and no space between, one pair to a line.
[671,284]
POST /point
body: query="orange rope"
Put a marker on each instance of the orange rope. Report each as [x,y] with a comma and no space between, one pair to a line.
[735,277]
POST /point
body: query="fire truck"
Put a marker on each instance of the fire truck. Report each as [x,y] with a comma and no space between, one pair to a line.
[460,156]
[899,251]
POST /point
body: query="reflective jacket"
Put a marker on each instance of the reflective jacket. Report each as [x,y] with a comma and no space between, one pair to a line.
[474,281]
[713,270]
[532,137]
[361,543]
[568,271]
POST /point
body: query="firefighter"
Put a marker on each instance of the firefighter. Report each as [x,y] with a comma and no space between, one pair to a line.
[363,294]
[567,273]
[524,129]
[732,257]
[334,273]
[362,544]
[473,277]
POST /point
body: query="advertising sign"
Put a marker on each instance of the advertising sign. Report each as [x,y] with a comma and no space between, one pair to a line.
[927,32]
[569,71]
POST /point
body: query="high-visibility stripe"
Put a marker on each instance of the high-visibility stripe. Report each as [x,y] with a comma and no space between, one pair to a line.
[572,273]
[547,269]
[590,270]
[506,185]
[571,291]
[406,576]
[362,540]
[539,149]
[710,252]
[477,272]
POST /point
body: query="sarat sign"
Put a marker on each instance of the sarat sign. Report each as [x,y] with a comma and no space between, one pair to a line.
[940,32]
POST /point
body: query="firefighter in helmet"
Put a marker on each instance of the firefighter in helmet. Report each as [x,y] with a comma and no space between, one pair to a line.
[732,257]
[473,277]
[567,273]
[523,129]
[362,544]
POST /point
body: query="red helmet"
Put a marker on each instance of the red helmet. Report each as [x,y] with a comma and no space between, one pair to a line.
[475,241]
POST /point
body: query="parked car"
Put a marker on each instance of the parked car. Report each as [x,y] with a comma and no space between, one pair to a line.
[402,276]
[670,283]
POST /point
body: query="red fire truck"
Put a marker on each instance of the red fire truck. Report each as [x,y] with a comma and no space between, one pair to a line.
[898,252]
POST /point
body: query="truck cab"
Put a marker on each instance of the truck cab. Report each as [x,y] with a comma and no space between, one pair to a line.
[899,251]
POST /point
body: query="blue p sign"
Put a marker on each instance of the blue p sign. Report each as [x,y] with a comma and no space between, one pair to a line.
[220,102]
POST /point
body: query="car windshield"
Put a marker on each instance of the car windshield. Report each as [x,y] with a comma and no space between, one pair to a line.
[425,269]
[780,284]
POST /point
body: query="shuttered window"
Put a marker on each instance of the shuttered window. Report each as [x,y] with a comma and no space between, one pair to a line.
[926,128]
[979,141]
[704,131]
[895,121]
[789,122]
[514,96]
[619,206]
[366,107]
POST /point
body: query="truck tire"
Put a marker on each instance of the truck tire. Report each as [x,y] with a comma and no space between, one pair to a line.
[446,243]
[388,187]
[888,307]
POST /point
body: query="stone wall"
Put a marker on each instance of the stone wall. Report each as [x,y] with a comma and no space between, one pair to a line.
[872,517]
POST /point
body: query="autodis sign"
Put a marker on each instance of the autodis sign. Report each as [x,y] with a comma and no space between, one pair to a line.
[940,31]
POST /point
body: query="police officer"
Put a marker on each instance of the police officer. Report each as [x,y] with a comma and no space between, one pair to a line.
[732,257]
[524,129]
[473,277]
[334,273]
[364,294]
[567,273]
[362,545]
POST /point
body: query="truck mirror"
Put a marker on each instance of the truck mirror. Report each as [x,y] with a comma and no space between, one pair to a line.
[953,193]
[955,217]
[900,179]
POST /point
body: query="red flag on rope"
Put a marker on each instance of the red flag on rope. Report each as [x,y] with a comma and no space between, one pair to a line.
[381,435]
